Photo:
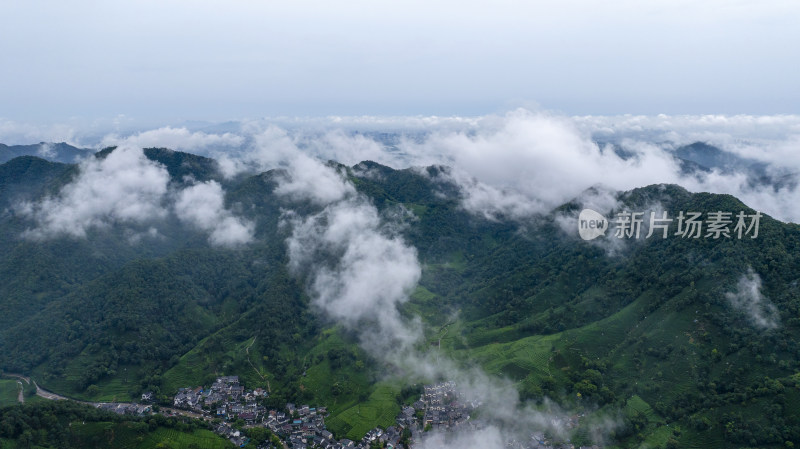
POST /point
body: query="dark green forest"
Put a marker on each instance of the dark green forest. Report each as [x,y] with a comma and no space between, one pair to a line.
[67,425]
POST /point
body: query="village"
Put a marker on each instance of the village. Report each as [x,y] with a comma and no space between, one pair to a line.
[441,407]
[298,426]
[231,410]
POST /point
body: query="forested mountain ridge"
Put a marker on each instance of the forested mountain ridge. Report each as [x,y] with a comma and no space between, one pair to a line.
[613,325]
[56,152]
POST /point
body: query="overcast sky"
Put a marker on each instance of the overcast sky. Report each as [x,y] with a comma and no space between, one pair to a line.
[170,61]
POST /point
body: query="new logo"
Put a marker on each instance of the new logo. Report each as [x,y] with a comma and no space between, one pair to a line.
[591,224]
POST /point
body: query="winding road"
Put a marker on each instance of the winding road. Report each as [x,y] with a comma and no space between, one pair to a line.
[41,392]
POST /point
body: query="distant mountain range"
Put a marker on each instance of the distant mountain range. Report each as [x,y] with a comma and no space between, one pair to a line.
[56,152]
[695,157]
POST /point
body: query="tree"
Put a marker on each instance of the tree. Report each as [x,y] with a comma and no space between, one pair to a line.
[405,437]
[258,435]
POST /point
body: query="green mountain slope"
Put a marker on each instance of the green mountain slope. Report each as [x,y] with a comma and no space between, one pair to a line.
[645,331]
[57,152]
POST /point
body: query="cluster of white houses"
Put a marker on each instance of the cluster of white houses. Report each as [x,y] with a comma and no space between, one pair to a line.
[441,407]
[226,398]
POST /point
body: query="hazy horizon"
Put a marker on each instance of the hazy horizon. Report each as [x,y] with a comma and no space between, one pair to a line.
[162,63]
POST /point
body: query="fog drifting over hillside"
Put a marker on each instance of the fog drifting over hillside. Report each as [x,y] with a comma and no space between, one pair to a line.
[516,164]
[360,270]
[508,166]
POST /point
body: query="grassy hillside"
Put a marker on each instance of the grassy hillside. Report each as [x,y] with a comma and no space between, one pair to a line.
[9,392]
[649,328]
[67,425]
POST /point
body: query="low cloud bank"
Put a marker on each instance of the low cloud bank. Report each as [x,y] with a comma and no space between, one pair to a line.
[180,139]
[524,162]
[359,271]
[126,188]
[748,299]
[508,165]
[202,205]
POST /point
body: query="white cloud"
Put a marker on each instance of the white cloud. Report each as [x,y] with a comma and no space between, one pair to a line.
[135,237]
[175,139]
[359,272]
[310,179]
[492,202]
[372,275]
[124,187]
[306,176]
[748,299]
[514,164]
[202,205]
[723,130]
[358,268]
[21,133]
[485,438]
[347,148]
[526,162]
[599,199]
[46,150]
[127,188]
